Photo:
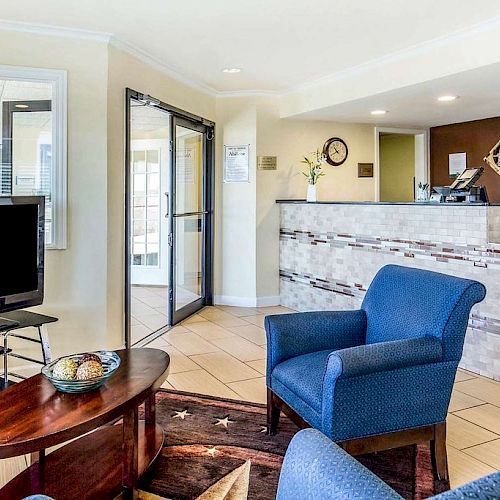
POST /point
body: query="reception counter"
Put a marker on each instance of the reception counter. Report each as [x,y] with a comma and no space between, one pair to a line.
[330,252]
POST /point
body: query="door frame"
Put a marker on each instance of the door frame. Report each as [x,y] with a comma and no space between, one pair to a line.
[209,187]
[422,163]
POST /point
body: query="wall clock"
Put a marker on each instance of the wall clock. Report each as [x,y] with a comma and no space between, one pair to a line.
[335,151]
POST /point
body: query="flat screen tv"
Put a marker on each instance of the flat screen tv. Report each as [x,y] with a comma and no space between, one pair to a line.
[22,223]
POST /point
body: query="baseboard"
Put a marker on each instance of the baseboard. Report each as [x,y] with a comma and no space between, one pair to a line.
[228,300]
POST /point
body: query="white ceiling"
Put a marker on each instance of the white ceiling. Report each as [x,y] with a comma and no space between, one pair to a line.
[417,105]
[279,44]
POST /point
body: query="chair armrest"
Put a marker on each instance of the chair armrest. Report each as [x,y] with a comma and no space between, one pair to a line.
[315,467]
[384,356]
[290,335]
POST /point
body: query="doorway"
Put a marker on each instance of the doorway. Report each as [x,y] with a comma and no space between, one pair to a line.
[401,163]
[169,211]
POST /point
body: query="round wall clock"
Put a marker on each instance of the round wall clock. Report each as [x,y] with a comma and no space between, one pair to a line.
[335,151]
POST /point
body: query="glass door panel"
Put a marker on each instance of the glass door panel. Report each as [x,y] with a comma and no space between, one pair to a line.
[190,218]
[148,181]
[188,259]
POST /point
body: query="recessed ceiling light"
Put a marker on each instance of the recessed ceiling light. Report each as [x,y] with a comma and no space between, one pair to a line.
[22,106]
[447,98]
[231,70]
[378,112]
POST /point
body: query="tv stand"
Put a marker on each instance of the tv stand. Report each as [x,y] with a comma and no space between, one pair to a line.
[15,320]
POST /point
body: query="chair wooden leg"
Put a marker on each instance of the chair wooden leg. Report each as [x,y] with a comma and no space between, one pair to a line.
[438,452]
[273,413]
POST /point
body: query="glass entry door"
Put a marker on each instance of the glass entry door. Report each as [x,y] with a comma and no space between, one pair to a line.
[190,222]
[168,205]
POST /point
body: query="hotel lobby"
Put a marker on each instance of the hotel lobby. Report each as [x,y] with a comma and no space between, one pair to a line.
[276,242]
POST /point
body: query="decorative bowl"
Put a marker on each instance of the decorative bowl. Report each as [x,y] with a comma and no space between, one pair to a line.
[110,363]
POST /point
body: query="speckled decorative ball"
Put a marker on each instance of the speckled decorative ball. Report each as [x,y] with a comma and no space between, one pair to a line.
[88,370]
[65,369]
[89,357]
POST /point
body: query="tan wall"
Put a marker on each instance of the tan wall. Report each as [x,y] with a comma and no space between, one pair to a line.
[289,140]
[75,278]
[127,71]
[397,167]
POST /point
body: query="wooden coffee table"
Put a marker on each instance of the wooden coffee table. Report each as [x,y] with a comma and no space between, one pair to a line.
[100,465]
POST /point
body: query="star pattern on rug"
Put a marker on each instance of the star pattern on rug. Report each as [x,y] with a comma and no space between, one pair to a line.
[181,414]
[224,421]
[212,451]
[263,429]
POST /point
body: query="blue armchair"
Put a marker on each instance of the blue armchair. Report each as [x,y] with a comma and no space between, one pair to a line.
[378,377]
[314,468]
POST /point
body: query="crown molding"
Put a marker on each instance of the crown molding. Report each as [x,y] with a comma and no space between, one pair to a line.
[150,60]
[156,63]
[408,52]
[57,31]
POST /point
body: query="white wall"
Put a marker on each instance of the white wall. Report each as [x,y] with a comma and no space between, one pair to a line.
[235,265]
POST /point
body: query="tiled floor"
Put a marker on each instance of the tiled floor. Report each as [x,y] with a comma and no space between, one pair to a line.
[221,351]
[149,308]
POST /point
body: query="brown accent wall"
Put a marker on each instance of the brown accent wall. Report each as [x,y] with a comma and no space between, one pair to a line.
[476,138]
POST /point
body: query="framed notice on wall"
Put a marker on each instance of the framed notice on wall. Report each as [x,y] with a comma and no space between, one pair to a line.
[236,163]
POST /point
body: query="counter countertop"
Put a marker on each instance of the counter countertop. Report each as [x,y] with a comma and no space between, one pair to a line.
[424,204]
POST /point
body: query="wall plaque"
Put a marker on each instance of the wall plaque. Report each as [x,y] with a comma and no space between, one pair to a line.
[365,169]
[267,162]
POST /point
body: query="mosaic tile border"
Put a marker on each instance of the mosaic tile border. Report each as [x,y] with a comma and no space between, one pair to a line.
[477,321]
[481,256]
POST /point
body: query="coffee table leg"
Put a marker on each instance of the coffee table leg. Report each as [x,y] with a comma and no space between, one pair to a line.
[130,459]
[150,410]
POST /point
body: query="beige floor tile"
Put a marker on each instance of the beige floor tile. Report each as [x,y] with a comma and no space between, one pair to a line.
[190,344]
[139,308]
[224,367]
[153,321]
[486,390]
[259,365]
[241,348]
[212,313]
[464,375]
[463,468]
[488,453]
[167,385]
[158,343]
[154,301]
[179,329]
[460,401]
[179,362]
[251,390]
[210,331]
[11,467]
[275,310]
[195,318]
[487,416]
[201,382]
[256,320]
[239,311]
[232,321]
[137,332]
[253,333]
[464,434]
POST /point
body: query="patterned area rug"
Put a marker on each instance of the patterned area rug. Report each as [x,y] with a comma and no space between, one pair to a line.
[209,442]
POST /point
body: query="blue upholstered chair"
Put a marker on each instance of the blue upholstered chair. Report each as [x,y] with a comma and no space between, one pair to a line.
[315,468]
[378,377]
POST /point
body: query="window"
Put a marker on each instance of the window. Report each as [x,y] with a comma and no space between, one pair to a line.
[33,145]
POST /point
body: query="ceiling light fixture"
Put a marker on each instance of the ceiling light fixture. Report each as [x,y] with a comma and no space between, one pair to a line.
[378,112]
[447,98]
[231,70]
[22,106]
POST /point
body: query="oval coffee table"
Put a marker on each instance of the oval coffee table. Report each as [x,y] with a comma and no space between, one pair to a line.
[102,464]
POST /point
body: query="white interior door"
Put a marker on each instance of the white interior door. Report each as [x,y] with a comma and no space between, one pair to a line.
[149,233]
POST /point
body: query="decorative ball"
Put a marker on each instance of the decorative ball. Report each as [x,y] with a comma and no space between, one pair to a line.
[65,369]
[88,370]
[89,357]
